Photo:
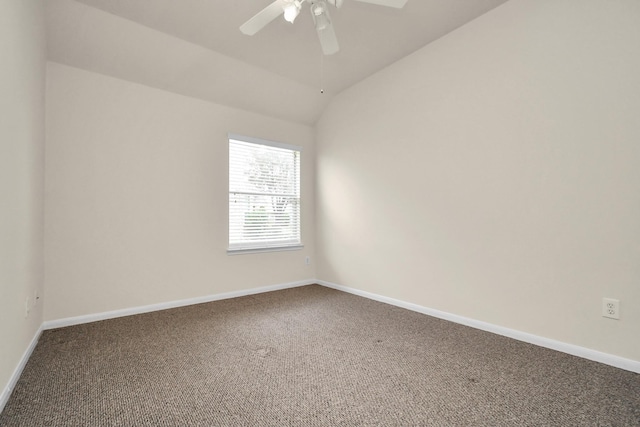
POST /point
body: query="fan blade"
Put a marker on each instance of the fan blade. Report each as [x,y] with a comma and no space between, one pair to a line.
[328,40]
[324,27]
[263,17]
[398,4]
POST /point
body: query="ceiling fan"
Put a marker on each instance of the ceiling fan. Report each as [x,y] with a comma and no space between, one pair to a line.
[319,11]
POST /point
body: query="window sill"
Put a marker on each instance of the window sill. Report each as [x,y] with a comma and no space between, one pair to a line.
[266,249]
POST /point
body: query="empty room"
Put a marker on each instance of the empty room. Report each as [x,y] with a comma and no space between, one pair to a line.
[319,212]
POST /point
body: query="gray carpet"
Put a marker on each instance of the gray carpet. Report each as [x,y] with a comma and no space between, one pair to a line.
[308,356]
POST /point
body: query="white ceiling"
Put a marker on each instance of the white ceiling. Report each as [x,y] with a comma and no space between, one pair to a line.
[194,47]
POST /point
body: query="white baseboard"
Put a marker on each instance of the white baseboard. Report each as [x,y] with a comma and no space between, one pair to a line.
[585,353]
[70,321]
[6,393]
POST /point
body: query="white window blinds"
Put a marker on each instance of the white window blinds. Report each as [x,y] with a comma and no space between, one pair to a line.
[264,195]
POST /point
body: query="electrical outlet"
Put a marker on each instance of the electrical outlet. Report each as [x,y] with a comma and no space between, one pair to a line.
[611,308]
[307,260]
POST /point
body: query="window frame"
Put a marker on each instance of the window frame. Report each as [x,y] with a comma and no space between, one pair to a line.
[273,246]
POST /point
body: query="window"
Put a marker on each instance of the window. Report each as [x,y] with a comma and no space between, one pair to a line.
[264,195]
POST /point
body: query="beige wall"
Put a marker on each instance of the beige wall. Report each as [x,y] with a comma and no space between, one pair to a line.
[137,197]
[22,78]
[495,174]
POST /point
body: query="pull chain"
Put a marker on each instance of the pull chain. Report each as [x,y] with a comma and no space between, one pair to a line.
[321,72]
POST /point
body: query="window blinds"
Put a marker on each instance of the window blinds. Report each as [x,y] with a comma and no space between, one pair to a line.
[264,195]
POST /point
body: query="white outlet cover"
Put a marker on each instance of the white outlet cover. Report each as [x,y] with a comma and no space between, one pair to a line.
[611,308]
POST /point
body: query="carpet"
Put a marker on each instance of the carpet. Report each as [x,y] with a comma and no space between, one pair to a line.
[308,356]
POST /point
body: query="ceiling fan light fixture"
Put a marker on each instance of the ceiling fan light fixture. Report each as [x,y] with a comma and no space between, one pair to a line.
[319,11]
[291,11]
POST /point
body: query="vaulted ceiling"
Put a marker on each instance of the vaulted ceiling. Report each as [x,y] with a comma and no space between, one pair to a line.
[194,47]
